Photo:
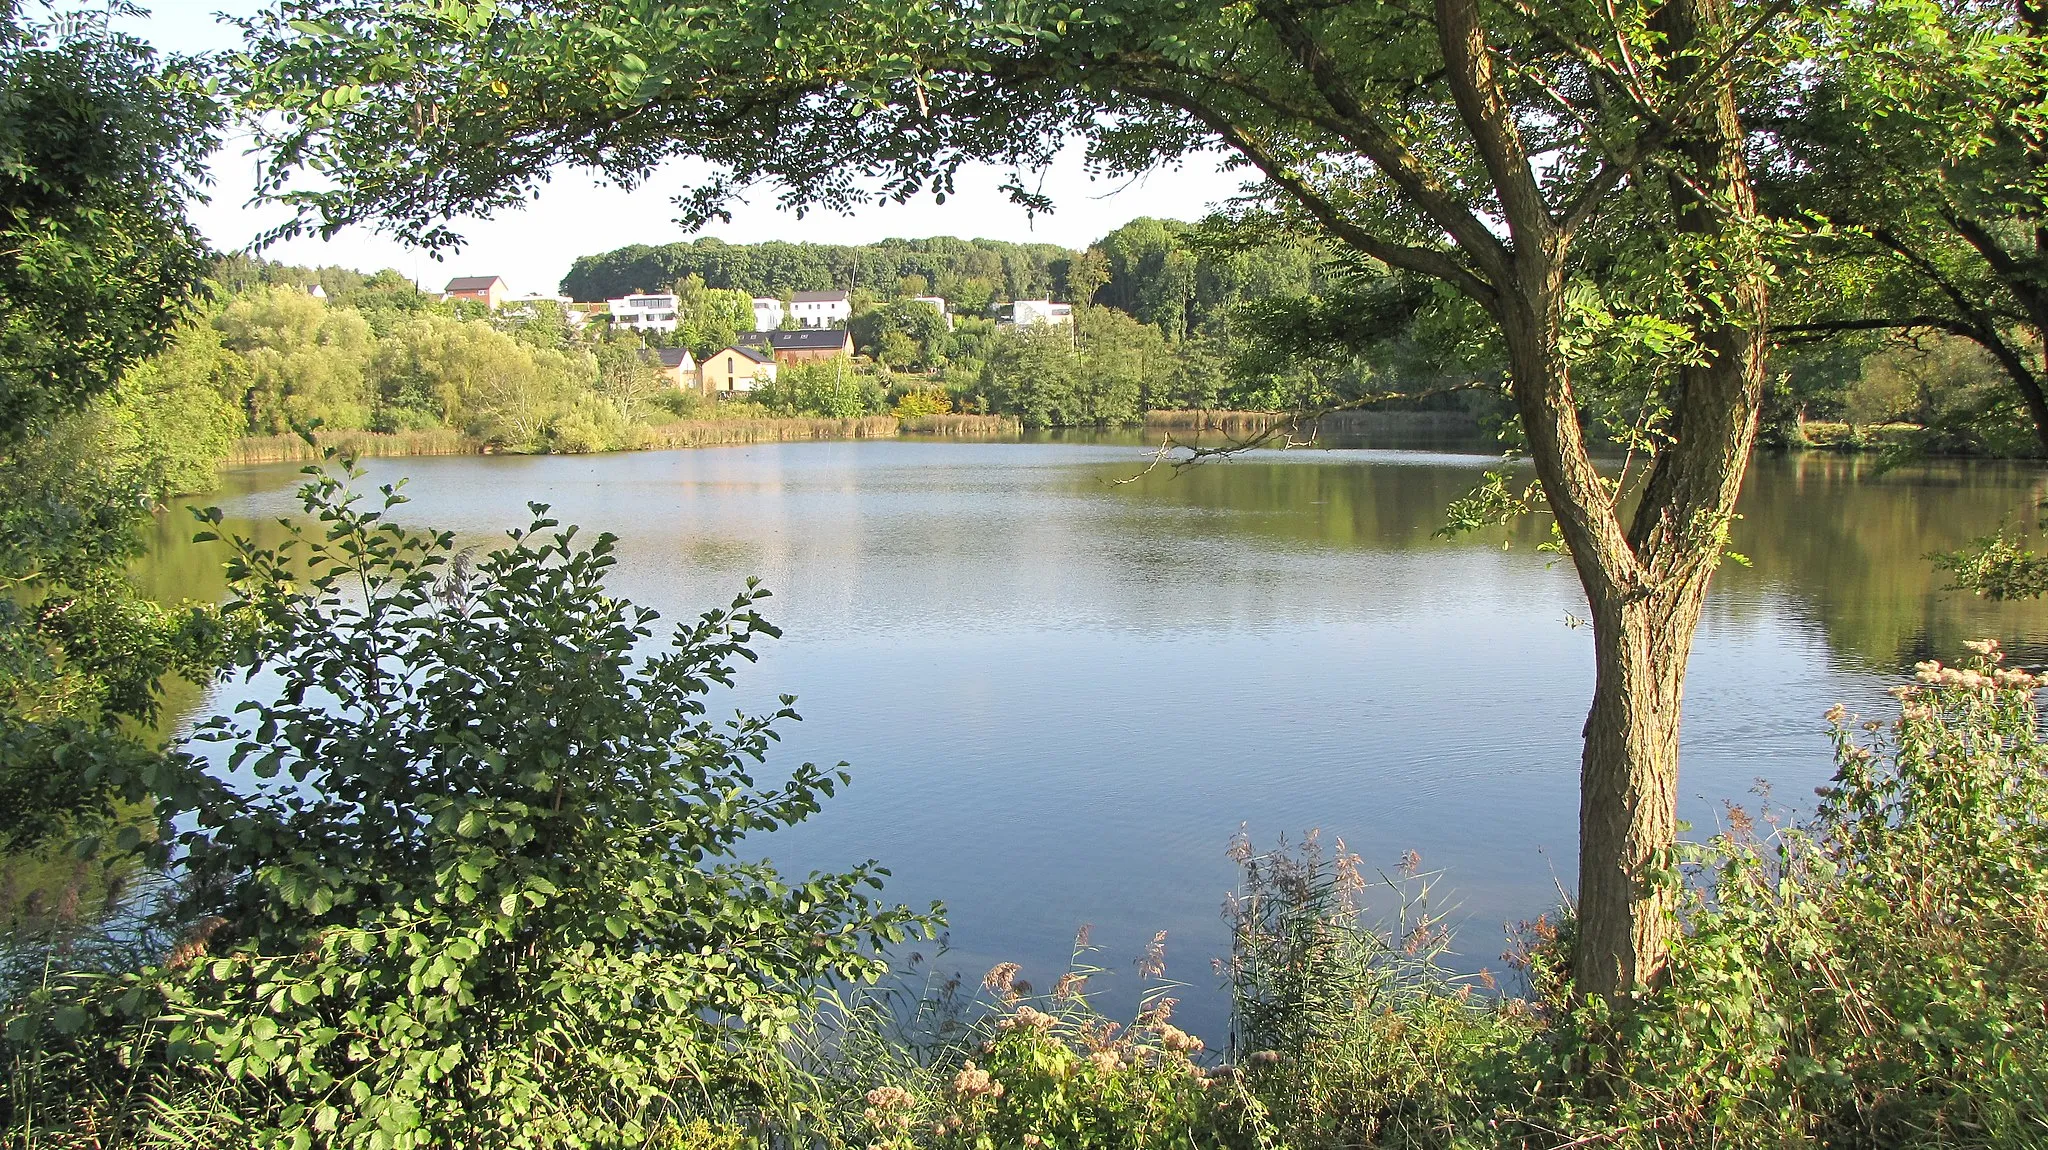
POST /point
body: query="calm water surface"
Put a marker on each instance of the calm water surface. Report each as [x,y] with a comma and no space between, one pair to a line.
[1061,695]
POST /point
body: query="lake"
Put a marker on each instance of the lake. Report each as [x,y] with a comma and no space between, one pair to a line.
[1061,694]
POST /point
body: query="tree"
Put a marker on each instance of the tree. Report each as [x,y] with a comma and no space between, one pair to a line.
[1920,134]
[101,145]
[626,376]
[1565,166]
[505,899]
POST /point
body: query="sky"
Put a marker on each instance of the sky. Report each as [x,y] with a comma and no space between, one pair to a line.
[577,214]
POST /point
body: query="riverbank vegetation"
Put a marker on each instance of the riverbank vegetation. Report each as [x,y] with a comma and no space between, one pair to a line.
[501,907]
[479,872]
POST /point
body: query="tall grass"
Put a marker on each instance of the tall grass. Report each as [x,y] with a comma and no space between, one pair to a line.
[293,449]
[963,426]
[713,432]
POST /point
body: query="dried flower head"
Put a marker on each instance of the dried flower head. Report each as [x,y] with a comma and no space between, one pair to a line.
[1107,1061]
[1002,980]
[974,1082]
[889,1098]
[1028,1019]
[1179,1041]
[1152,963]
[1069,987]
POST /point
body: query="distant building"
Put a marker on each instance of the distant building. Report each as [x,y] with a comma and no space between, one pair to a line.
[678,366]
[643,312]
[821,308]
[736,369]
[938,302]
[768,313]
[801,345]
[1026,312]
[317,292]
[489,291]
[522,306]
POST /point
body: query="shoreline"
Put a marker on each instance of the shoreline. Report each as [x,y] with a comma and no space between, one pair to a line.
[256,450]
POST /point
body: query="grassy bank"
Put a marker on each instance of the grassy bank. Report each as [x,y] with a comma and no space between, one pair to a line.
[963,426]
[292,449]
[682,433]
[715,432]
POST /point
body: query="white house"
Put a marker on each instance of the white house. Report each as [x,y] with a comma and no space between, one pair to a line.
[768,313]
[522,307]
[939,302]
[821,308]
[643,312]
[1029,311]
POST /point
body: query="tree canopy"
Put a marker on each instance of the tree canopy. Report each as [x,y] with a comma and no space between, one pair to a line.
[101,144]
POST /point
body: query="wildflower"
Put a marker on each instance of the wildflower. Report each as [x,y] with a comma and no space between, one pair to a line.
[1179,1041]
[1028,1019]
[1002,979]
[1265,1057]
[1033,1140]
[1068,988]
[889,1098]
[1834,714]
[1107,1061]
[1985,647]
[973,1082]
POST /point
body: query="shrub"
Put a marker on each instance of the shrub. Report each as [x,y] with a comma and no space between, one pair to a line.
[470,879]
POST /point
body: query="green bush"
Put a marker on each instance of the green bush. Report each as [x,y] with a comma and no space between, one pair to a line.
[469,879]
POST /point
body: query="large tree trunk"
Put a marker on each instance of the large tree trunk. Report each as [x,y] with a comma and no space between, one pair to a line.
[1628,788]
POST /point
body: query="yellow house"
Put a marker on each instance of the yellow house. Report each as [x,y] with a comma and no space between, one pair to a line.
[736,369]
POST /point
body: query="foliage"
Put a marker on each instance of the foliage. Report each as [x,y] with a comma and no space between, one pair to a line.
[831,388]
[968,274]
[904,334]
[83,655]
[101,146]
[919,403]
[498,902]
[1916,134]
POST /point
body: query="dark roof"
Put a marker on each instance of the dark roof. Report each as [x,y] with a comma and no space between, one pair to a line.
[818,297]
[750,353]
[472,283]
[797,339]
[672,356]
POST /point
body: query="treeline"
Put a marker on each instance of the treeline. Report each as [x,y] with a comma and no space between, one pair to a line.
[970,274]
[1167,314]
[376,354]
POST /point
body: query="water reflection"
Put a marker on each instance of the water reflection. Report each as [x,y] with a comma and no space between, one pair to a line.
[1061,693]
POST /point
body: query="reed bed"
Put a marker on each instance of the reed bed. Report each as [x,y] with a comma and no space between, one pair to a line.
[963,426]
[293,449]
[714,432]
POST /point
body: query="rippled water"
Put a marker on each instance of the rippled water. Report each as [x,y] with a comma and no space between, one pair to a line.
[1060,695]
